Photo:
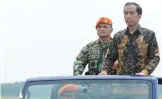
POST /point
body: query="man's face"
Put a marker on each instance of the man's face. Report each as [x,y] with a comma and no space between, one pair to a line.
[68,96]
[104,30]
[130,15]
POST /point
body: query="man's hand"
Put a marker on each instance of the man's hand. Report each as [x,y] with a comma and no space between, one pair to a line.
[140,73]
[144,72]
[103,72]
[115,66]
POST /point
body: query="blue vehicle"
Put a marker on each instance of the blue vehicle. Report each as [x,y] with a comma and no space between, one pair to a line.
[91,87]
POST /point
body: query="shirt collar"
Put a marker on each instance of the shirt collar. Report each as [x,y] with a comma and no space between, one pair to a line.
[138,29]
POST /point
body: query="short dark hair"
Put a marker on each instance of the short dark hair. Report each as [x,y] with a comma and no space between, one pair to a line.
[138,7]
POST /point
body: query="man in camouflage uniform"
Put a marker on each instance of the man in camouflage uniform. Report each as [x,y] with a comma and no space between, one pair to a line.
[135,47]
[93,53]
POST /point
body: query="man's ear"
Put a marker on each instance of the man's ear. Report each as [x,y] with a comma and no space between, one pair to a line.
[111,30]
[140,15]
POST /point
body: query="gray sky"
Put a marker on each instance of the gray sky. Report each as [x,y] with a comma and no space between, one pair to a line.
[43,37]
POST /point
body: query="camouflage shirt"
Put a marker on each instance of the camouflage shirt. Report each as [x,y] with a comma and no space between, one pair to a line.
[91,54]
[134,52]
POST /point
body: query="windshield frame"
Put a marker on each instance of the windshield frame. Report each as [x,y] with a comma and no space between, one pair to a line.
[36,81]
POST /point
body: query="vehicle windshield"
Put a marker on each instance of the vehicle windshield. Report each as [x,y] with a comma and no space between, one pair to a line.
[89,89]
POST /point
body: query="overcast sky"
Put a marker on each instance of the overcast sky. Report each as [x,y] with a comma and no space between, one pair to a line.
[43,37]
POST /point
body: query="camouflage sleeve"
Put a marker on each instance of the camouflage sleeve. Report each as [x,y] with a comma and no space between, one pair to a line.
[81,61]
[111,57]
[154,55]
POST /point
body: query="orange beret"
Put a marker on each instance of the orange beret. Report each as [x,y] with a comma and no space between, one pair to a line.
[67,88]
[104,20]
